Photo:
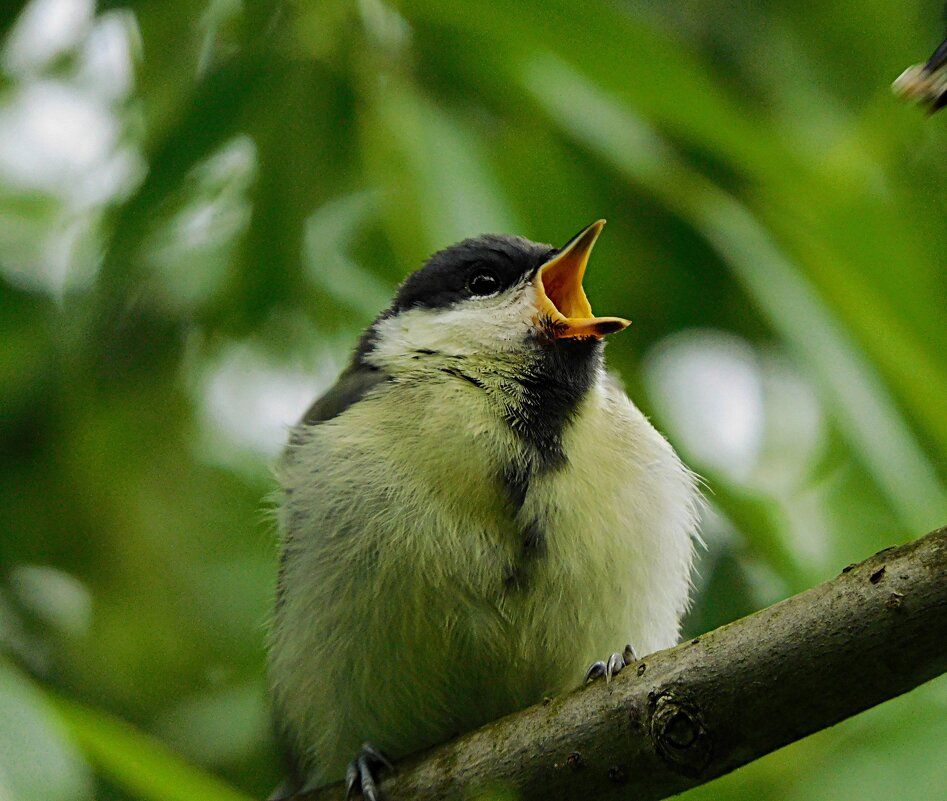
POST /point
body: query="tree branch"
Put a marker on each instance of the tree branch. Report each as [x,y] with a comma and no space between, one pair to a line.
[681,717]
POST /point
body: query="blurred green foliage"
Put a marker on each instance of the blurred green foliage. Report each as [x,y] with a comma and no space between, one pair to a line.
[203,202]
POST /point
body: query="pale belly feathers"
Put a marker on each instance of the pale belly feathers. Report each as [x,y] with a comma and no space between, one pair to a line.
[417,602]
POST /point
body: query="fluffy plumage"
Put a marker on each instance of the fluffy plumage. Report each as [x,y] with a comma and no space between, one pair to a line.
[473,516]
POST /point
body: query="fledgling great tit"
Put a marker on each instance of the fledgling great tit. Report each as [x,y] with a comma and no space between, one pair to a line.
[472,514]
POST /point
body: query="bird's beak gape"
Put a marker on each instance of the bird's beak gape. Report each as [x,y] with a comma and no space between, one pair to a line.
[564,311]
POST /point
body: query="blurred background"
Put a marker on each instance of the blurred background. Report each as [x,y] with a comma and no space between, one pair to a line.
[202,202]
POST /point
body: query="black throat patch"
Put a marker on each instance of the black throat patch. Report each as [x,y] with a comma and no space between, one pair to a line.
[550,391]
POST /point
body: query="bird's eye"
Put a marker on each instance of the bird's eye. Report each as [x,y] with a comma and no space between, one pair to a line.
[483,282]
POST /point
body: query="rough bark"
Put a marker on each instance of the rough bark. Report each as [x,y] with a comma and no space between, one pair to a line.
[681,717]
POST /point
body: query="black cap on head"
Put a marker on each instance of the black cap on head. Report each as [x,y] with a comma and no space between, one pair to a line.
[479,266]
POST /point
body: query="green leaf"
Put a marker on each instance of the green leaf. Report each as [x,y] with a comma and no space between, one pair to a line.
[138,763]
[31,736]
[438,186]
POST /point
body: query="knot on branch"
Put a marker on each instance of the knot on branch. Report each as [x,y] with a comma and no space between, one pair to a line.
[679,735]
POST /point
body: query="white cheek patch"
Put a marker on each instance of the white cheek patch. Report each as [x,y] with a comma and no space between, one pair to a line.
[479,326]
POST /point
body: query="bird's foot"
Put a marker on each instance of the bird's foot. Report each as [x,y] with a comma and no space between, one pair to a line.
[611,666]
[362,773]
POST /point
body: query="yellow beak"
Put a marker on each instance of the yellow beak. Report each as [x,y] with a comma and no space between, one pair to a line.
[563,309]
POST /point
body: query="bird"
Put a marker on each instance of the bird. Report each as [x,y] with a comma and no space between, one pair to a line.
[473,518]
[925,84]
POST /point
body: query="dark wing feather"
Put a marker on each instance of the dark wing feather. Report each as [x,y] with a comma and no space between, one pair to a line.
[351,387]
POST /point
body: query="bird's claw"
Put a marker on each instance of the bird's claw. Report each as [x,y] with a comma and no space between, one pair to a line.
[362,772]
[611,666]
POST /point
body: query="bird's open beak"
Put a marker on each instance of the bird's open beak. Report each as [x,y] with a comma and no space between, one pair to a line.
[564,310]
